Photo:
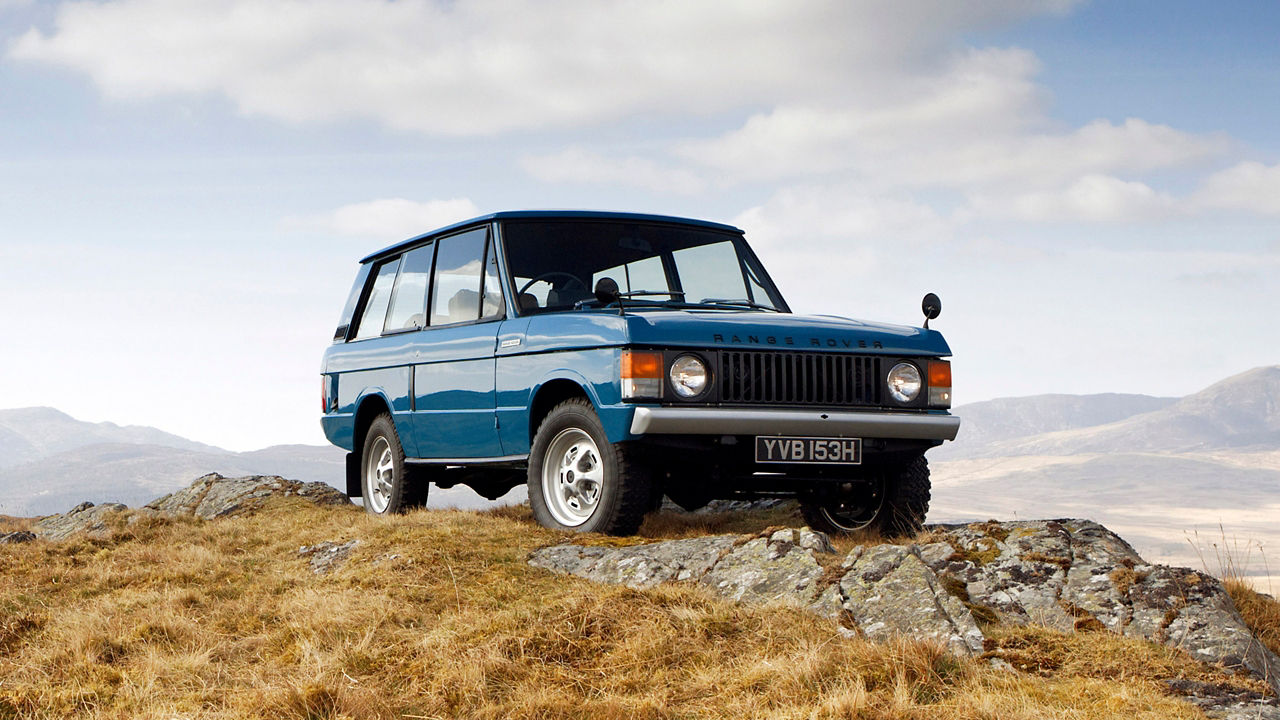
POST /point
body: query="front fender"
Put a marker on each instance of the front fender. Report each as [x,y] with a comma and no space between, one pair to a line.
[594,371]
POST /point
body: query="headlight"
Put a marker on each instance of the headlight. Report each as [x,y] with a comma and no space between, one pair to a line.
[688,376]
[904,382]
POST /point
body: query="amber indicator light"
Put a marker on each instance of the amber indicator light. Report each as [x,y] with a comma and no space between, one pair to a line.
[637,364]
[939,373]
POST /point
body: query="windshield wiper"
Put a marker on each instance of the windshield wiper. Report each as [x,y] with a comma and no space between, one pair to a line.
[737,303]
[635,294]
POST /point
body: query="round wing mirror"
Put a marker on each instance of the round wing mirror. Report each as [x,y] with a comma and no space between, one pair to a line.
[932,307]
[606,290]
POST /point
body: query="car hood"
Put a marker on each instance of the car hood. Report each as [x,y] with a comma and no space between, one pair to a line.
[779,331]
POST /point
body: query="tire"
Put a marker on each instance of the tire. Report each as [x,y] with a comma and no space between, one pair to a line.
[386,482]
[579,481]
[895,506]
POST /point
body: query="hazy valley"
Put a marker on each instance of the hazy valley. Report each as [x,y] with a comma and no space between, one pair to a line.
[1174,476]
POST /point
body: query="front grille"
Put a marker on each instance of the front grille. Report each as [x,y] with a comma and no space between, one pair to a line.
[785,378]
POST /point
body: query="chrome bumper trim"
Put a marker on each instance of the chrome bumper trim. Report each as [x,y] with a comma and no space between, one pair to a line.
[728,421]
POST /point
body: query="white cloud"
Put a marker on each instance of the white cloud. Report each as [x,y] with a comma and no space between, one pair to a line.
[979,123]
[576,165]
[1249,186]
[824,245]
[390,219]
[475,67]
[976,94]
[1092,198]
[820,217]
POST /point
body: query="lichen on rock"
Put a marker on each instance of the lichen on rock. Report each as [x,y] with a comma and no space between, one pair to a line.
[1063,574]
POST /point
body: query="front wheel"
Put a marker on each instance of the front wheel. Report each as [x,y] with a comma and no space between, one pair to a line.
[578,480]
[894,503]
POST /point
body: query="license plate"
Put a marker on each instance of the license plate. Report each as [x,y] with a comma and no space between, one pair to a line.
[808,450]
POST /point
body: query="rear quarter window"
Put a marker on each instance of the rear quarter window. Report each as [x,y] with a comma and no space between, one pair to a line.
[375,307]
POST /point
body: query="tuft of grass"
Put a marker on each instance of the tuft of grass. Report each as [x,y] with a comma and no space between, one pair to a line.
[1037,556]
[9,523]
[1260,612]
[985,550]
[1103,655]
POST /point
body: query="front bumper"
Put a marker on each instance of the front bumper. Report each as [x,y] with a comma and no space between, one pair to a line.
[732,421]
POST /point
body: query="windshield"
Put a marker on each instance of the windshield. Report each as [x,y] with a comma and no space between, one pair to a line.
[555,265]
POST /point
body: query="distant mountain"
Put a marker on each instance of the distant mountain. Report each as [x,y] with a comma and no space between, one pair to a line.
[1240,412]
[50,462]
[27,434]
[985,424]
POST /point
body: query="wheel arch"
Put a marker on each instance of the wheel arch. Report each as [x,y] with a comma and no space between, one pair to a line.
[370,407]
[550,394]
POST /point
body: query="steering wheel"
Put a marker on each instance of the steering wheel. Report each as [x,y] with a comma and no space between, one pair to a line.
[573,280]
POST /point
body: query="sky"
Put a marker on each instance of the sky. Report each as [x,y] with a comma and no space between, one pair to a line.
[186,186]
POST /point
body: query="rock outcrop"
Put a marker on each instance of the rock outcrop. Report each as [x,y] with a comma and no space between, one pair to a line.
[1064,574]
[83,518]
[210,496]
[18,536]
[214,496]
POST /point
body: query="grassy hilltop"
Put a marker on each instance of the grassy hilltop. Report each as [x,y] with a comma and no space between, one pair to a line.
[436,614]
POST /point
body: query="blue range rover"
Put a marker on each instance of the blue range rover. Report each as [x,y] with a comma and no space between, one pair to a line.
[609,359]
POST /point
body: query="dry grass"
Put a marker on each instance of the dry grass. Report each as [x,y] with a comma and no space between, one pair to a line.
[9,524]
[1233,560]
[1260,612]
[436,614]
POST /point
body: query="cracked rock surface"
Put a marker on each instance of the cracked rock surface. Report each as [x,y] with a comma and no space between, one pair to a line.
[889,590]
[1063,574]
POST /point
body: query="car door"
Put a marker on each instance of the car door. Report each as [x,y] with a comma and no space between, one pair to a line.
[454,404]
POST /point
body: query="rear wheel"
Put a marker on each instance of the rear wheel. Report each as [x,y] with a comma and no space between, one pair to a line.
[578,480]
[387,483]
[894,504]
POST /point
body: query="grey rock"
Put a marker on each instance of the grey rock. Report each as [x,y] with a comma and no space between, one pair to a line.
[638,566]
[889,591]
[1064,574]
[936,555]
[18,536]
[886,589]
[214,496]
[327,556]
[1226,703]
[1242,711]
[1072,573]
[83,518]
[780,568]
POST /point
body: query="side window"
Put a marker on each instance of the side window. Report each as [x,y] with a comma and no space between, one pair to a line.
[492,307]
[456,294]
[409,298]
[353,299]
[375,307]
